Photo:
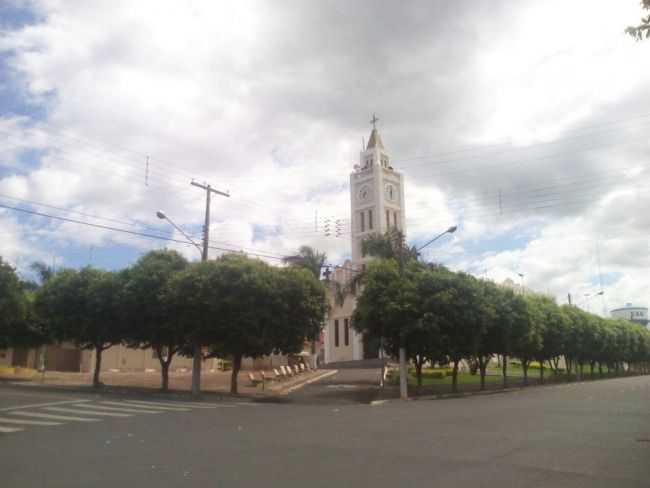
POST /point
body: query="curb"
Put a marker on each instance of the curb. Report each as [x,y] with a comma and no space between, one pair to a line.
[443,396]
[513,389]
[307,382]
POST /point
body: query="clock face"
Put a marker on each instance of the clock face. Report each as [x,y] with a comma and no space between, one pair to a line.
[364,193]
[391,192]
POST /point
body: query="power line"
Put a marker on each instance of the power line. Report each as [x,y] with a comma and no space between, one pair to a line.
[126,231]
[508,145]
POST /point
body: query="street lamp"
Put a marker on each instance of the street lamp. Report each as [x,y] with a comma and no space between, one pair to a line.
[196,353]
[521,275]
[161,215]
[588,297]
[403,387]
[451,230]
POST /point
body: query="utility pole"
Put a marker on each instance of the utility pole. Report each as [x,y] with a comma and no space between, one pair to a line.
[196,353]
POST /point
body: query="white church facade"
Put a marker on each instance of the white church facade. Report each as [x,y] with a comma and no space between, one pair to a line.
[376,205]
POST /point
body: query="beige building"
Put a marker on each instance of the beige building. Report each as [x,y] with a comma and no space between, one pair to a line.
[67,357]
[339,341]
[58,357]
[122,358]
[376,205]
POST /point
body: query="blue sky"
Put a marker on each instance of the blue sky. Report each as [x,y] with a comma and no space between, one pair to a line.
[474,106]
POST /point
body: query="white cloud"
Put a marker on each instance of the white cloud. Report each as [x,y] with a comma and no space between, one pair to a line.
[519,123]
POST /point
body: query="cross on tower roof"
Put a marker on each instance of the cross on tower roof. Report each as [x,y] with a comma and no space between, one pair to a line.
[374,121]
[375,140]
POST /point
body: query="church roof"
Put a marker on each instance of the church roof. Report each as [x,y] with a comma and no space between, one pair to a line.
[375,140]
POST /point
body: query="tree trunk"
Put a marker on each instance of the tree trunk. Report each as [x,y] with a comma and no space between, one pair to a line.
[504,367]
[580,369]
[482,368]
[591,369]
[164,367]
[600,369]
[98,364]
[555,362]
[236,366]
[524,365]
[418,371]
[454,377]
[541,372]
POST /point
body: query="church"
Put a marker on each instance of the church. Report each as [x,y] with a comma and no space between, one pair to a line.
[376,205]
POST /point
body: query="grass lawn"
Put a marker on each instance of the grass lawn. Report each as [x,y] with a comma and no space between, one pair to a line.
[432,377]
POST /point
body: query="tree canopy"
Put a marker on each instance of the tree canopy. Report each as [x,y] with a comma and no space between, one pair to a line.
[642,29]
[13,306]
[84,307]
[152,323]
[309,259]
[444,316]
[243,307]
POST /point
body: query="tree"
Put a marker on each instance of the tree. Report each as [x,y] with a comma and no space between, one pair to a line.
[387,308]
[391,245]
[43,272]
[152,323]
[308,258]
[426,340]
[528,333]
[487,341]
[580,339]
[237,306]
[509,308]
[313,261]
[463,325]
[638,31]
[553,336]
[303,303]
[13,306]
[83,307]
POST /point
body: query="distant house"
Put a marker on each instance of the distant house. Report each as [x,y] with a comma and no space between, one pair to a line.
[632,313]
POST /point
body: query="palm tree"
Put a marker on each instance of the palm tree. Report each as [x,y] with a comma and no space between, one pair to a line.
[42,270]
[308,258]
[391,245]
[313,261]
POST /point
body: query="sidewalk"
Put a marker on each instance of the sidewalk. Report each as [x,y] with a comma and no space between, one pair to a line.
[216,382]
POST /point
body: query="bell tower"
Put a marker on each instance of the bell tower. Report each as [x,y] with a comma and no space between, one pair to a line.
[376,194]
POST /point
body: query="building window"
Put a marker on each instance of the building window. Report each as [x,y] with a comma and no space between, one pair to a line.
[346,331]
[395,219]
[387,219]
[370,219]
[363,221]
[336,333]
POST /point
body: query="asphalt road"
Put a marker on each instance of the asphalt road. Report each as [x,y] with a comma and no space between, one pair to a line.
[594,434]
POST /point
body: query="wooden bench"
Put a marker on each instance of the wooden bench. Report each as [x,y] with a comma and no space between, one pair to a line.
[254,381]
